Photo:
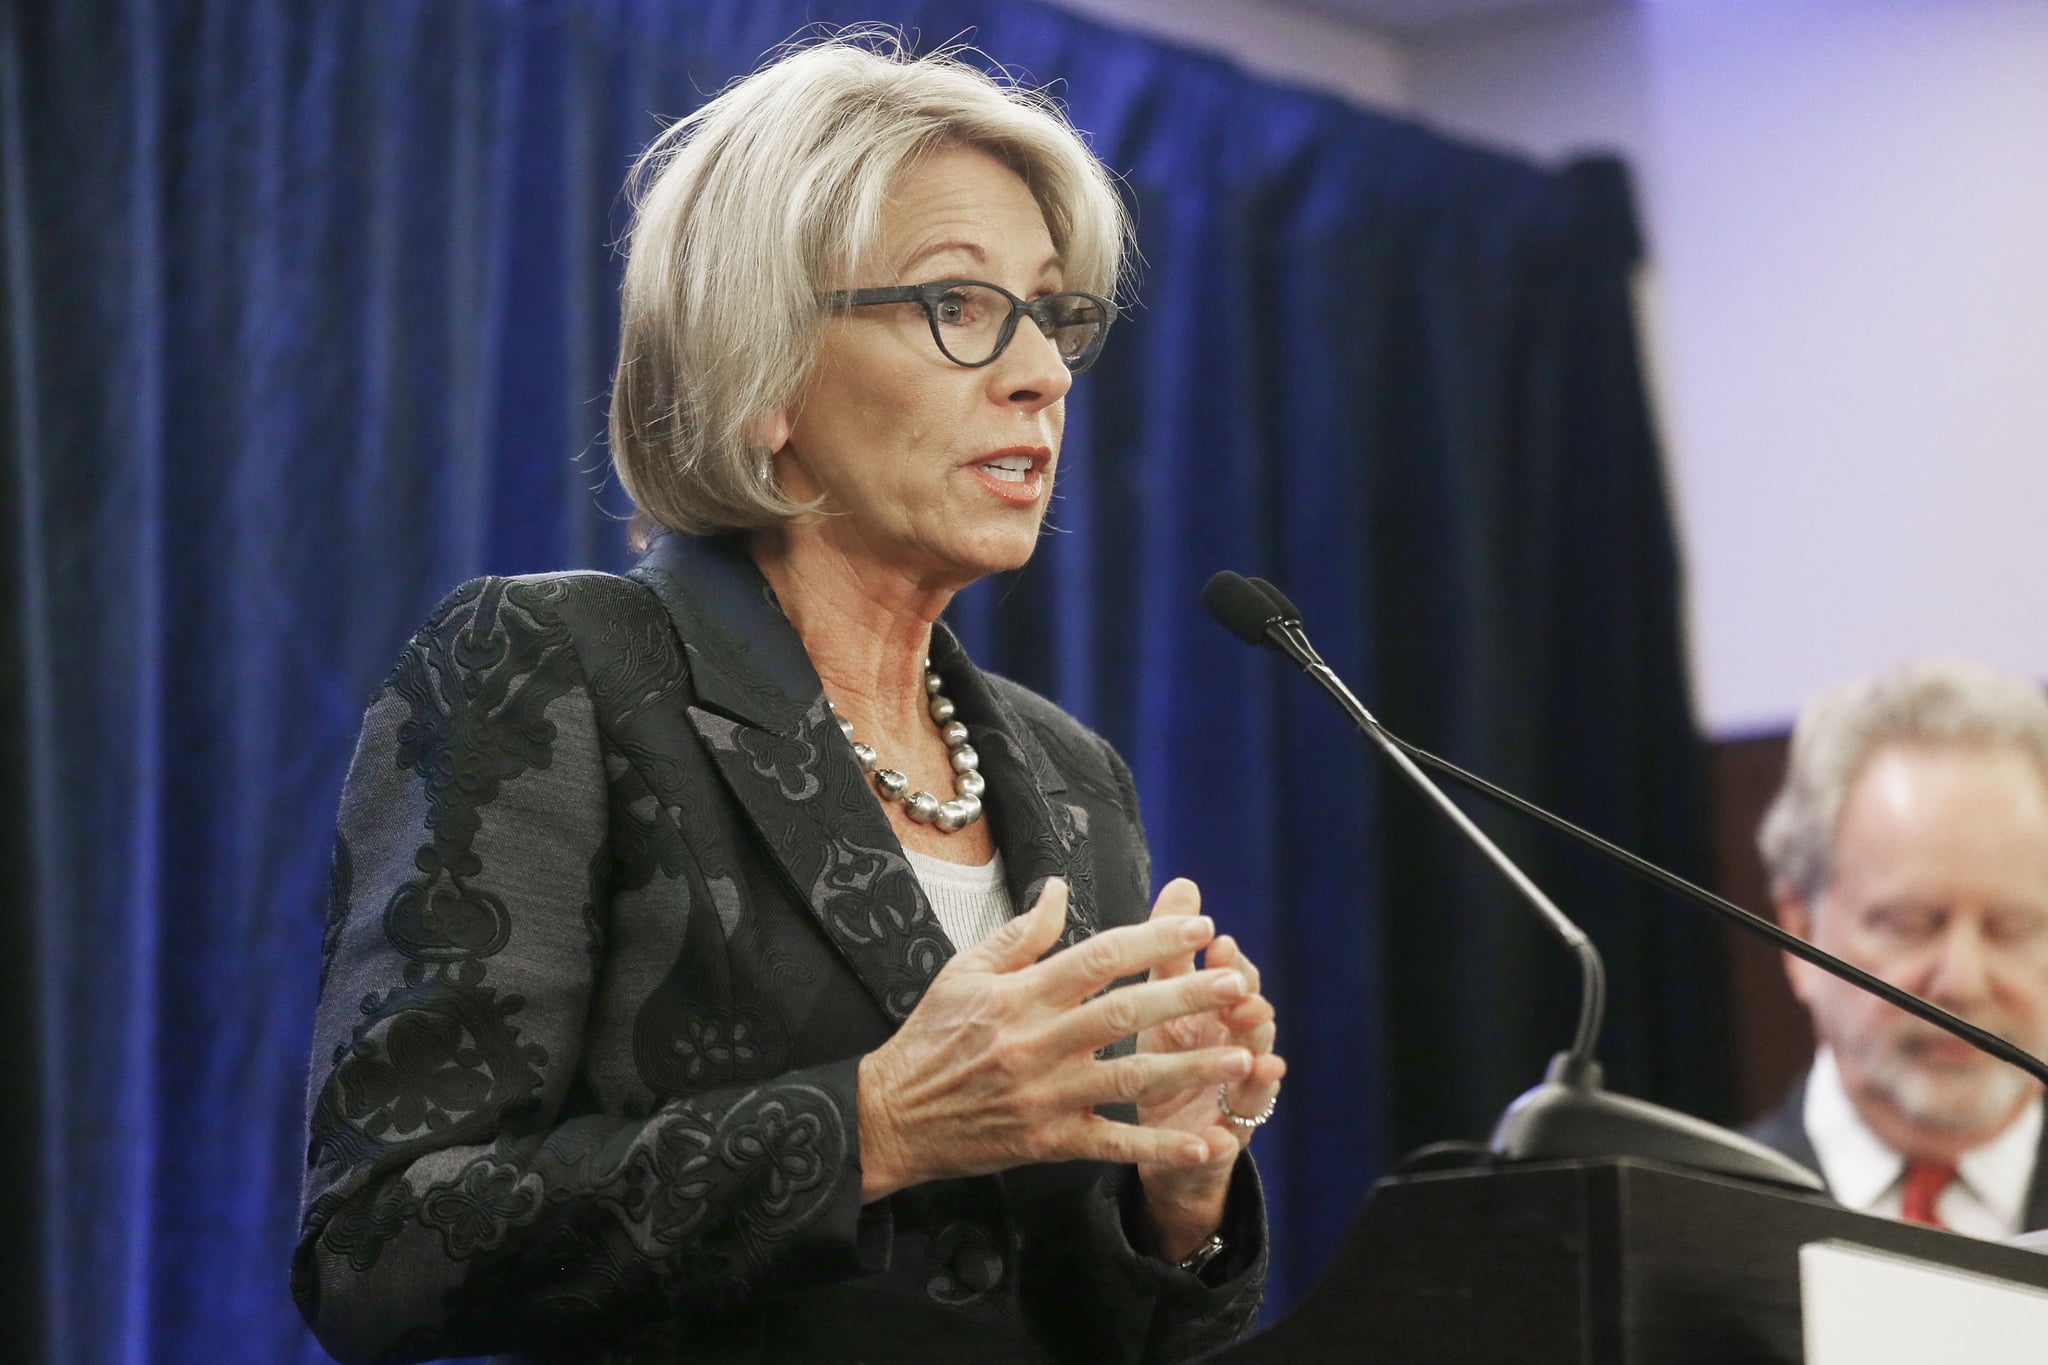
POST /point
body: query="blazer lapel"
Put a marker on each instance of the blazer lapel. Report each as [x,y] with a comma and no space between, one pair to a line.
[1034,827]
[761,712]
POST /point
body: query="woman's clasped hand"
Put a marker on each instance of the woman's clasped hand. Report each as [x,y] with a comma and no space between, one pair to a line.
[997,1066]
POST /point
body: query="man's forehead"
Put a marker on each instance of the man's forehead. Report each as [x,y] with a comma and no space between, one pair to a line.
[1961,822]
[1922,782]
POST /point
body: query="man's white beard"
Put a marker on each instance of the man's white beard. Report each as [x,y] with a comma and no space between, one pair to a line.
[1976,1099]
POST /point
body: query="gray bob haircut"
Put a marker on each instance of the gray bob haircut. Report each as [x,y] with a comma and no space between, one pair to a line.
[1929,702]
[772,193]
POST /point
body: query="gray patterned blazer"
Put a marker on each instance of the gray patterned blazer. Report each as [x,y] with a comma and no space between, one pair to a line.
[614,916]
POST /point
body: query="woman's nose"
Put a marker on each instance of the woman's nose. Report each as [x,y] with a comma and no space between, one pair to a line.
[1030,373]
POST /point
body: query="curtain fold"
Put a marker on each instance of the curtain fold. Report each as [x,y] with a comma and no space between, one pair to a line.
[309,313]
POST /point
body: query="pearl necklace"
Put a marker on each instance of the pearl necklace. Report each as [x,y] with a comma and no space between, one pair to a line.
[968,784]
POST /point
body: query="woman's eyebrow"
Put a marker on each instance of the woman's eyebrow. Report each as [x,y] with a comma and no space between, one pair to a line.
[969,249]
[975,252]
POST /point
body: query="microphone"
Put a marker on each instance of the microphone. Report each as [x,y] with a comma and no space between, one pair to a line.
[1569,1114]
[1246,610]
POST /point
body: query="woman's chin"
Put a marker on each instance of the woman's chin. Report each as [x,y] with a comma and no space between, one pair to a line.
[936,551]
[1012,549]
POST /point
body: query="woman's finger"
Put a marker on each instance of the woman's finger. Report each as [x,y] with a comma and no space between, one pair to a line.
[1251,1096]
[1224,952]
[1178,897]
[1133,1009]
[1146,1076]
[1096,1138]
[1258,1035]
[1026,938]
[1128,950]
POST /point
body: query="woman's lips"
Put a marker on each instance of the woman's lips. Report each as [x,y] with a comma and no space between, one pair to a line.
[1015,476]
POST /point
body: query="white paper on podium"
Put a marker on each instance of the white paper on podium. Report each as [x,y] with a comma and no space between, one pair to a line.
[1866,1307]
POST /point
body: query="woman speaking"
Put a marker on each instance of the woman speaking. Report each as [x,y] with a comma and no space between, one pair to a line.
[718,963]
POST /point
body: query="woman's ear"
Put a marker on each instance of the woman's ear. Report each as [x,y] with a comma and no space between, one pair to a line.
[771,432]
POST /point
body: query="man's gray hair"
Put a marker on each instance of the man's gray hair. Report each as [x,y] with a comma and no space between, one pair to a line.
[1927,702]
[773,193]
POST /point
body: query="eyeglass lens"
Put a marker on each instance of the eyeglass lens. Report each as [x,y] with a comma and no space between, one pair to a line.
[970,321]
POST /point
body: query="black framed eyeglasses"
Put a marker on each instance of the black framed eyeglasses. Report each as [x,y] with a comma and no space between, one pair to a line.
[973,321]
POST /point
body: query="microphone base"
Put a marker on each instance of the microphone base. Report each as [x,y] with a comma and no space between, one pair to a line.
[1571,1116]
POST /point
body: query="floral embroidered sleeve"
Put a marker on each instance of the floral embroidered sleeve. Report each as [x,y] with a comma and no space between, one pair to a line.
[462,1196]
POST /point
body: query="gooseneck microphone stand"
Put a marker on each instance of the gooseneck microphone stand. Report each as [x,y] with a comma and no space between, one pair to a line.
[1570,1114]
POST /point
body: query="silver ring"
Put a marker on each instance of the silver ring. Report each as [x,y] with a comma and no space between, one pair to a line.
[1237,1120]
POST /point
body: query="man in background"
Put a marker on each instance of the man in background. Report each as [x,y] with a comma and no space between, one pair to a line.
[1911,838]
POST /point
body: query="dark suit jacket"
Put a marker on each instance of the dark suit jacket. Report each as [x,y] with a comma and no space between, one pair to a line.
[1785,1129]
[615,914]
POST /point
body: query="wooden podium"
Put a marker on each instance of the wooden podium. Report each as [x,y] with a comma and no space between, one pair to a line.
[1601,1262]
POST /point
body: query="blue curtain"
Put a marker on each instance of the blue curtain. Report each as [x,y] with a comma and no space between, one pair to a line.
[308,314]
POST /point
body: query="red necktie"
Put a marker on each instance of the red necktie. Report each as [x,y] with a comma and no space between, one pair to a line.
[1924,1182]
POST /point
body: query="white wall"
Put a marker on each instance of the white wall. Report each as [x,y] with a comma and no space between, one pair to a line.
[1847,204]
[1847,307]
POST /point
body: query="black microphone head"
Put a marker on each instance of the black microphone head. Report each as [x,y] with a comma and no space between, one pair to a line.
[1242,608]
[1281,603]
